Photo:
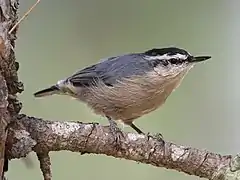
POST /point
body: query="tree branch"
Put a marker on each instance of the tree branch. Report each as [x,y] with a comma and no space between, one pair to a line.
[43,136]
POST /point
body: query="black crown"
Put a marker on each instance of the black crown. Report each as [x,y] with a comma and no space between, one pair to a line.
[169,51]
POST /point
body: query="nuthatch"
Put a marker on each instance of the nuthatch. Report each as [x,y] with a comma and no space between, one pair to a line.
[128,86]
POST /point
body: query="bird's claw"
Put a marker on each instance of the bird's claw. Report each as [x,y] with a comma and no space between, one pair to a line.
[115,131]
[157,136]
[117,134]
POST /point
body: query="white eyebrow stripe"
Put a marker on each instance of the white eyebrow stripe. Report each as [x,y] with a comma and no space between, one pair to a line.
[167,57]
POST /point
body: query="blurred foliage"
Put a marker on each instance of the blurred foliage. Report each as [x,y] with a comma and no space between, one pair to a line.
[60,36]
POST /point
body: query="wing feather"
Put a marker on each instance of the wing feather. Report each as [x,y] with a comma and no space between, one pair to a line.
[110,70]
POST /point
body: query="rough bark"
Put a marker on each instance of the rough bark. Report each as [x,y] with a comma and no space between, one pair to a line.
[9,85]
[24,134]
[4,120]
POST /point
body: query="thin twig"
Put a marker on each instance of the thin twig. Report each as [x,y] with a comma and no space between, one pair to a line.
[23,17]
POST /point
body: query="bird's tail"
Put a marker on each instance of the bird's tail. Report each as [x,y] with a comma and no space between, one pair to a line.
[47,92]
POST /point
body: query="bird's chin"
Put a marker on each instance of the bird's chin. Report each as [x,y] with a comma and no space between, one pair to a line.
[190,65]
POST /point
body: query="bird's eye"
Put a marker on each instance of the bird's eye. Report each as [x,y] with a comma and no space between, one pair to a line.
[175,61]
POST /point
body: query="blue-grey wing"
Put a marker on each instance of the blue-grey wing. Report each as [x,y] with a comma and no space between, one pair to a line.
[110,70]
[86,77]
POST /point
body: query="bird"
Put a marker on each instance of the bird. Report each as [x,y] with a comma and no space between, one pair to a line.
[127,86]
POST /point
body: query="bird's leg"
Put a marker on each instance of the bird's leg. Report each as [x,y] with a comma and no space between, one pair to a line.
[139,131]
[115,130]
[158,136]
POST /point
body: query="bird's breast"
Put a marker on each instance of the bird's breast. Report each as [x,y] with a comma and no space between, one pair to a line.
[132,97]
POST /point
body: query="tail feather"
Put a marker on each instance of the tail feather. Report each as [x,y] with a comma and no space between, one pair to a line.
[47,92]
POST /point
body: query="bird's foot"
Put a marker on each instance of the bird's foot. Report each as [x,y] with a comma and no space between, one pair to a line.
[157,136]
[115,131]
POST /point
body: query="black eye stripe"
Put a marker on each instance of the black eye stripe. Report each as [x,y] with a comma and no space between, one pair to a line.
[173,61]
[176,61]
[157,62]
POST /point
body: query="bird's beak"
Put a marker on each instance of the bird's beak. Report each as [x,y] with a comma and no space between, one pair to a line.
[199,59]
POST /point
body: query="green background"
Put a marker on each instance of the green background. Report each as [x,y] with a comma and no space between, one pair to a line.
[59,37]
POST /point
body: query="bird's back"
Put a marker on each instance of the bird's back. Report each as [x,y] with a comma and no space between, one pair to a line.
[111,70]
